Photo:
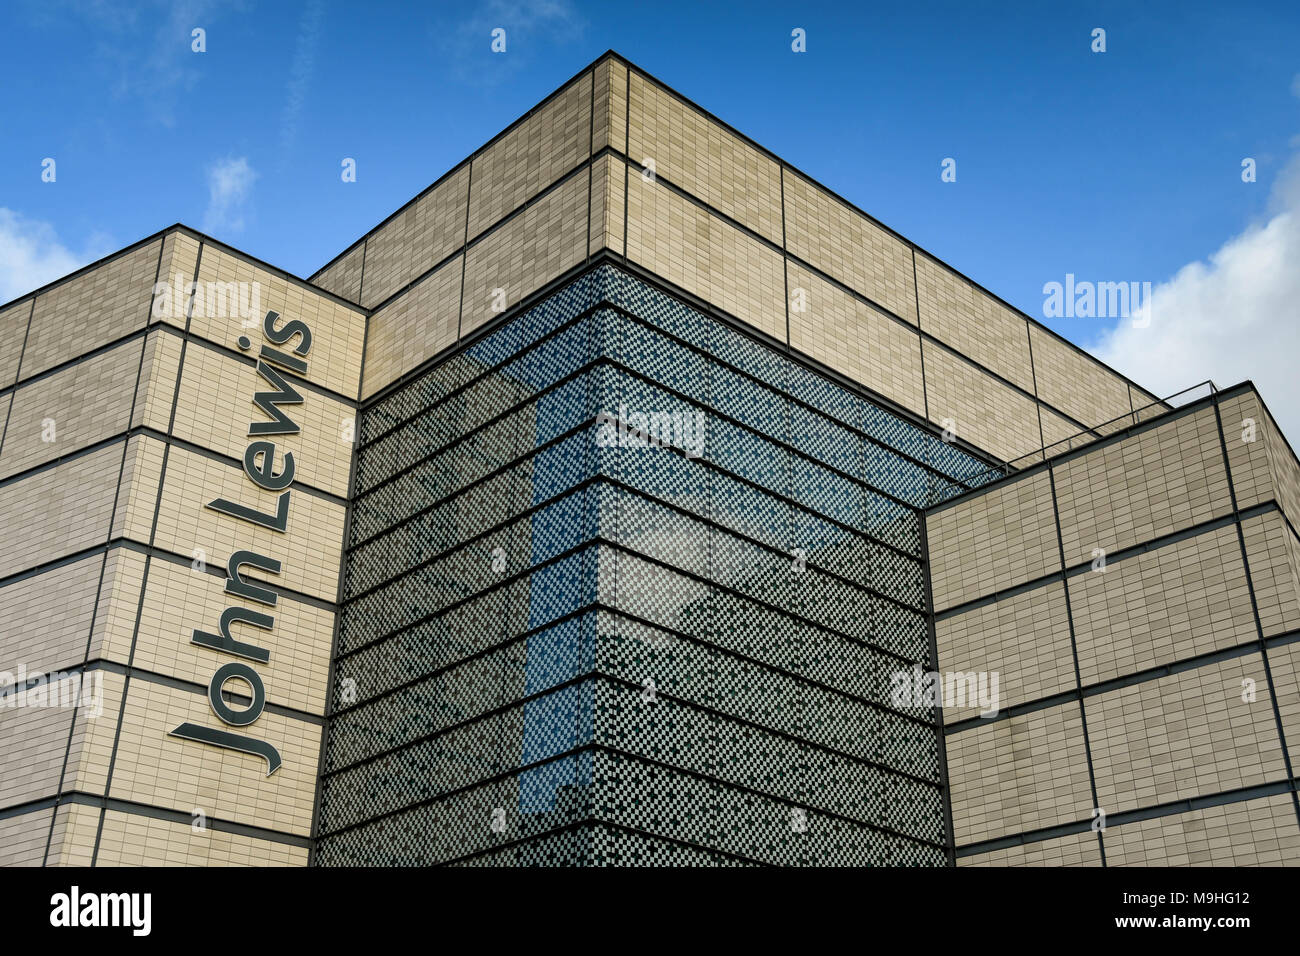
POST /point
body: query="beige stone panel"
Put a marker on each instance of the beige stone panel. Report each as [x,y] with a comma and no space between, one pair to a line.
[309,550]
[1260,832]
[606,75]
[141,477]
[73,841]
[34,736]
[13,330]
[216,407]
[543,147]
[416,239]
[1024,639]
[994,541]
[5,402]
[337,330]
[142,470]
[972,322]
[599,173]
[1156,482]
[60,511]
[855,339]
[698,154]
[118,590]
[130,839]
[1143,401]
[1166,605]
[45,619]
[33,741]
[92,743]
[1112,427]
[158,377]
[845,244]
[1060,434]
[603,193]
[180,257]
[415,326]
[1263,465]
[1274,558]
[1285,468]
[1077,849]
[681,242]
[986,413]
[620,76]
[600,105]
[343,277]
[1149,412]
[609,226]
[179,599]
[1184,735]
[1247,436]
[80,315]
[164,771]
[23,838]
[610,127]
[525,253]
[1074,382]
[76,407]
[1018,774]
[119,600]
[1284,663]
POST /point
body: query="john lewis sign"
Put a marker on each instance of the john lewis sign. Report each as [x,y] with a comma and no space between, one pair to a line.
[259,466]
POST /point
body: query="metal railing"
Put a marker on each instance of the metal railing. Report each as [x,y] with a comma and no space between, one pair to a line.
[1097,432]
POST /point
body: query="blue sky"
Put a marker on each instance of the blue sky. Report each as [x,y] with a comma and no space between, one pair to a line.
[1115,166]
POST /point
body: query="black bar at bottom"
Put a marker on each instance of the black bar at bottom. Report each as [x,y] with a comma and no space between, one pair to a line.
[934,907]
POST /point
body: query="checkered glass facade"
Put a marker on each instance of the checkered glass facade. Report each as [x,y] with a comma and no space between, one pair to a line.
[626,585]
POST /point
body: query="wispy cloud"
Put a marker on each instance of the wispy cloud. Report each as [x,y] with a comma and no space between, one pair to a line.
[143,50]
[230,187]
[32,255]
[301,70]
[1234,316]
[532,26]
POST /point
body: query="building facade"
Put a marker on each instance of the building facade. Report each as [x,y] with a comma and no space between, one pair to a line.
[128,493]
[1145,641]
[623,499]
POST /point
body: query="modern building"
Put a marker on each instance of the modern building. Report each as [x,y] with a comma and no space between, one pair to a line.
[625,498]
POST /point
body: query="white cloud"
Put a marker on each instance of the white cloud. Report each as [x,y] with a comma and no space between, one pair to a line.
[230,186]
[32,255]
[1235,316]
